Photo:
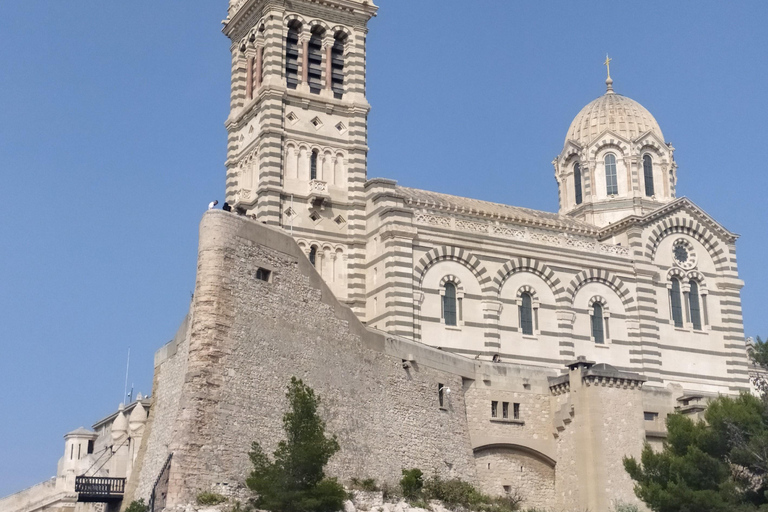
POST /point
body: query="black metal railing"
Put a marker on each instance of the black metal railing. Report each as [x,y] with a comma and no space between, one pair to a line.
[99,488]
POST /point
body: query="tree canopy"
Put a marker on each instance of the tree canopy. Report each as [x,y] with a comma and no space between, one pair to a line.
[295,481]
[716,465]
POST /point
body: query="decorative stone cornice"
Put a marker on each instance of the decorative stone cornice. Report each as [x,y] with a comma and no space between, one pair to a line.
[682,203]
[551,237]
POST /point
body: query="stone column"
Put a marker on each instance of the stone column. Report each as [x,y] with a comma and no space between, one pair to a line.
[304,39]
[249,78]
[259,66]
[328,65]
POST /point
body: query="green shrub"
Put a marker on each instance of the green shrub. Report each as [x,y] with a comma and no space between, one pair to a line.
[137,506]
[453,492]
[367,484]
[411,483]
[620,506]
[210,498]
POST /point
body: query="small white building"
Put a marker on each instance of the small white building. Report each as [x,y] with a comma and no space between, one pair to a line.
[93,468]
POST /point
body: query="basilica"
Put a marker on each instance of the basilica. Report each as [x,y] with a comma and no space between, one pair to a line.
[527,352]
[625,272]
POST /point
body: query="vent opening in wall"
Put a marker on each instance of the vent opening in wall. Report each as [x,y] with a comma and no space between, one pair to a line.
[317,123]
[292,118]
[339,220]
[314,216]
[341,128]
[290,212]
[263,274]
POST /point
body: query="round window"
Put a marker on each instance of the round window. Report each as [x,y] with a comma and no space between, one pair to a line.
[683,254]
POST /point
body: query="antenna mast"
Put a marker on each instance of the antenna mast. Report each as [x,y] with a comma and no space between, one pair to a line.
[127,365]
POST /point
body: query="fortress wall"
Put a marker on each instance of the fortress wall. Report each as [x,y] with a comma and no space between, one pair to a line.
[515,455]
[170,367]
[248,338]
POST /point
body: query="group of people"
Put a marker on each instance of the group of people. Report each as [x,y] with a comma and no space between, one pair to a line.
[227,208]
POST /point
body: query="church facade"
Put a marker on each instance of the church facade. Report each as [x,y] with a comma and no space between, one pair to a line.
[527,352]
[625,273]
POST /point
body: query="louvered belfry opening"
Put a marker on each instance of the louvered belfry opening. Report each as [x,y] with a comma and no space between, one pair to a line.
[315,60]
[337,65]
[292,56]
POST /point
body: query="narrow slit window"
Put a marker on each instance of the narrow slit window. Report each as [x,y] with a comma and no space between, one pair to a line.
[598,335]
[611,183]
[648,173]
[577,182]
[90,446]
[292,57]
[313,255]
[440,396]
[494,409]
[676,303]
[337,66]
[526,314]
[315,60]
[313,165]
[449,304]
[516,411]
[695,305]
[505,410]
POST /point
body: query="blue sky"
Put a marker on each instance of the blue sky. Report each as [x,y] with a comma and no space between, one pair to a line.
[112,142]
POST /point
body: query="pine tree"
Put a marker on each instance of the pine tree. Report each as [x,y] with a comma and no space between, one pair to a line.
[295,481]
[717,465]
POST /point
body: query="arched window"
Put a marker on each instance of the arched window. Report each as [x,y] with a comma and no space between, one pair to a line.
[598,332]
[648,173]
[449,304]
[611,185]
[526,314]
[315,61]
[675,303]
[577,182]
[695,306]
[292,56]
[313,165]
[337,65]
[313,255]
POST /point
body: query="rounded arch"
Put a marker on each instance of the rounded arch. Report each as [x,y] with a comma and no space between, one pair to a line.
[598,299]
[676,273]
[692,228]
[652,149]
[535,267]
[341,31]
[294,21]
[608,279]
[446,253]
[529,290]
[521,446]
[608,145]
[450,278]
[318,27]
[695,275]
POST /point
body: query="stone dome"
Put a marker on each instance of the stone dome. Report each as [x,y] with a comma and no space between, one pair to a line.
[624,116]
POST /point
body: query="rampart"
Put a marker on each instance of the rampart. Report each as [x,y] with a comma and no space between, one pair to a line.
[221,385]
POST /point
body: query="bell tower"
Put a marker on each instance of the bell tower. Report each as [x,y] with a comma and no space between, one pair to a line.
[297,129]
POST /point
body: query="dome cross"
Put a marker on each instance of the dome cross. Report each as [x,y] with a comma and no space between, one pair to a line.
[609,80]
